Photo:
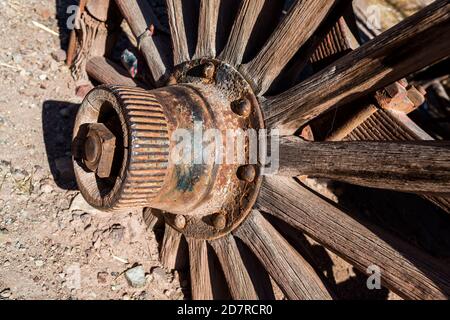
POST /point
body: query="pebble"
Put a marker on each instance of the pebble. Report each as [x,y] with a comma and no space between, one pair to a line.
[46,188]
[6,293]
[17,58]
[59,55]
[39,263]
[116,287]
[102,277]
[168,293]
[79,204]
[116,233]
[136,277]
[159,274]
[43,77]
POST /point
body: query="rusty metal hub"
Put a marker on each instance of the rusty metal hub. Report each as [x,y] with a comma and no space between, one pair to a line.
[184,149]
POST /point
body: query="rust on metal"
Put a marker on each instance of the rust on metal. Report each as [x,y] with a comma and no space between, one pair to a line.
[204,198]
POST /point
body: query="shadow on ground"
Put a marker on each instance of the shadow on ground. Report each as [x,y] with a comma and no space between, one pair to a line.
[58,118]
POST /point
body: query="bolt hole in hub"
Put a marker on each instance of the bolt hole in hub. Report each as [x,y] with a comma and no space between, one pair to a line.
[183,149]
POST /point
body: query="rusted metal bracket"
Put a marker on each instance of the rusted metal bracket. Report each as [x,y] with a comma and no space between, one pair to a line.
[399,97]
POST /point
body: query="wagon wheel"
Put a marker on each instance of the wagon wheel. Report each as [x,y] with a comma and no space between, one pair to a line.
[124,154]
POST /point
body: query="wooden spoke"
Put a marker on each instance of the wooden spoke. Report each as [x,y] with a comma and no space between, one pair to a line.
[296,28]
[151,220]
[241,31]
[178,31]
[201,283]
[260,277]
[386,125]
[108,72]
[207,28]
[170,247]
[142,20]
[405,269]
[402,166]
[290,271]
[332,40]
[236,274]
[411,45]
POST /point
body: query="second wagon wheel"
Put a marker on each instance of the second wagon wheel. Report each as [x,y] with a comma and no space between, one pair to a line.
[232,67]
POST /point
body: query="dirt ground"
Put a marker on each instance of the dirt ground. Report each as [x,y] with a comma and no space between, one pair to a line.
[52,244]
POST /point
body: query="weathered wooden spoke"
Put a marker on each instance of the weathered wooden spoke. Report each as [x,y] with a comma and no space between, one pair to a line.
[207,29]
[142,21]
[108,72]
[170,247]
[238,279]
[241,31]
[296,28]
[292,273]
[409,46]
[178,31]
[404,268]
[403,166]
[199,262]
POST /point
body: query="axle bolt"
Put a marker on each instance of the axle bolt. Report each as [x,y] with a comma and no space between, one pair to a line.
[247,173]
[220,222]
[99,148]
[242,107]
[180,222]
[208,70]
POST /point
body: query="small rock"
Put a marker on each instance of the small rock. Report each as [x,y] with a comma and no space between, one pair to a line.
[6,293]
[136,277]
[6,263]
[46,188]
[59,55]
[116,287]
[102,277]
[126,297]
[4,231]
[116,233]
[43,77]
[85,218]
[159,274]
[168,293]
[17,58]
[79,204]
[39,263]
[45,13]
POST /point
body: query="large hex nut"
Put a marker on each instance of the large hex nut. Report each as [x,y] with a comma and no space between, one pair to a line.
[99,148]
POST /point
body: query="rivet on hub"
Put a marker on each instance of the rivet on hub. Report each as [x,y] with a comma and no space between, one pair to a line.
[180,221]
[247,173]
[242,107]
[220,221]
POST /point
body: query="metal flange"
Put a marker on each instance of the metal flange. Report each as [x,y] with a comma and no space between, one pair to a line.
[203,199]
